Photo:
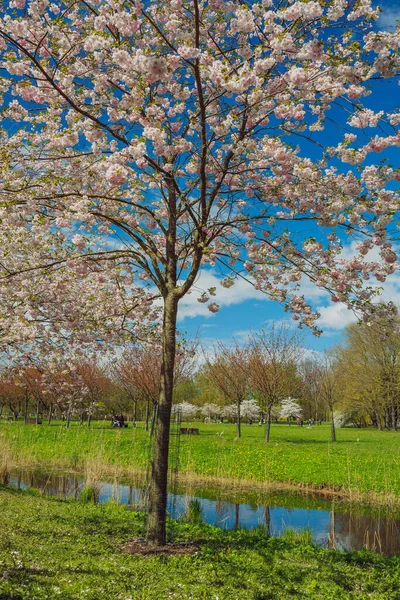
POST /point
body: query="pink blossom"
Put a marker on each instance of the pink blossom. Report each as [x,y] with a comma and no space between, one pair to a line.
[213,307]
[116,174]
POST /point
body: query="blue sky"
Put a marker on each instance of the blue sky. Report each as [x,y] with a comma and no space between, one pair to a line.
[244,309]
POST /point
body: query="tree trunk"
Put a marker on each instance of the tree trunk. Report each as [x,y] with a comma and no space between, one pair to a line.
[268,425]
[26,407]
[387,418]
[89,419]
[333,431]
[67,418]
[50,414]
[37,412]
[81,419]
[134,416]
[394,418]
[156,533]
[238,431]
[146,424]
[153,420]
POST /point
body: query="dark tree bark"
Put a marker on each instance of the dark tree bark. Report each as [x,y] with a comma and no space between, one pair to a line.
[50,414]
[89,419]
[156,533]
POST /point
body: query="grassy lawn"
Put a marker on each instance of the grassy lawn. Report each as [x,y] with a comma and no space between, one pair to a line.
[362,460]
[67,549]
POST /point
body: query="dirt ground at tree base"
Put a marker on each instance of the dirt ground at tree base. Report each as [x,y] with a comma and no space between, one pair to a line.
[140,546]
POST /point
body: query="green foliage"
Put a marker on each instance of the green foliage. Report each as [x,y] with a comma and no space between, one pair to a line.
[72,550]
[89,494]
[301,536]
[194,512]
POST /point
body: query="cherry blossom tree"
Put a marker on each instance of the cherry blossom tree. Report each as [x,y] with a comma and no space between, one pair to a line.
[250,409]
[209,410]
[146,143]
[186,409]
[290,409]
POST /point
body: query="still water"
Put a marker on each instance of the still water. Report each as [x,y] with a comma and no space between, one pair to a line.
[331,524]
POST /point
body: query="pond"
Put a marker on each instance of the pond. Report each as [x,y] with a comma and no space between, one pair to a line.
[331,523]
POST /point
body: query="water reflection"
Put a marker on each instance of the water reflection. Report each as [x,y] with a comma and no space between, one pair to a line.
[336,526]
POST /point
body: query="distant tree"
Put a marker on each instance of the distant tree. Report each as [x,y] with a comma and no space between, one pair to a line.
[211,410]
[250,409]
[186,409]
[370,368]
[290,409]
[273,359]
[229,372]
[311,399]
[11,394]
[330,385]
[97,386]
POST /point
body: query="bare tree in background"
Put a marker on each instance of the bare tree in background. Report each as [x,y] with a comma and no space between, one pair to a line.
[229,372]
[274,356]
[330,385]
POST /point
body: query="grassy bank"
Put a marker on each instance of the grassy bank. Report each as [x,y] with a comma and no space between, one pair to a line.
[66,549]
[362,461]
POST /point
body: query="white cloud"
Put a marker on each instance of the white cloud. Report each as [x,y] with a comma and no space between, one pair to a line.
[189,306]
[335,316]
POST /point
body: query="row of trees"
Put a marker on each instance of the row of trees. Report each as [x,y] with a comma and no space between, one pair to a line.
[97,387]
[356,383]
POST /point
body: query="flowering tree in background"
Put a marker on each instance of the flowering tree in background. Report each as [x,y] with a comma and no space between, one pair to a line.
[139,144]
[209,410]
[186,409]
[250,409]
[290,409]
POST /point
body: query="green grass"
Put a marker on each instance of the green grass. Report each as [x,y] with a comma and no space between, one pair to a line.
[69,550]
[362,460]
